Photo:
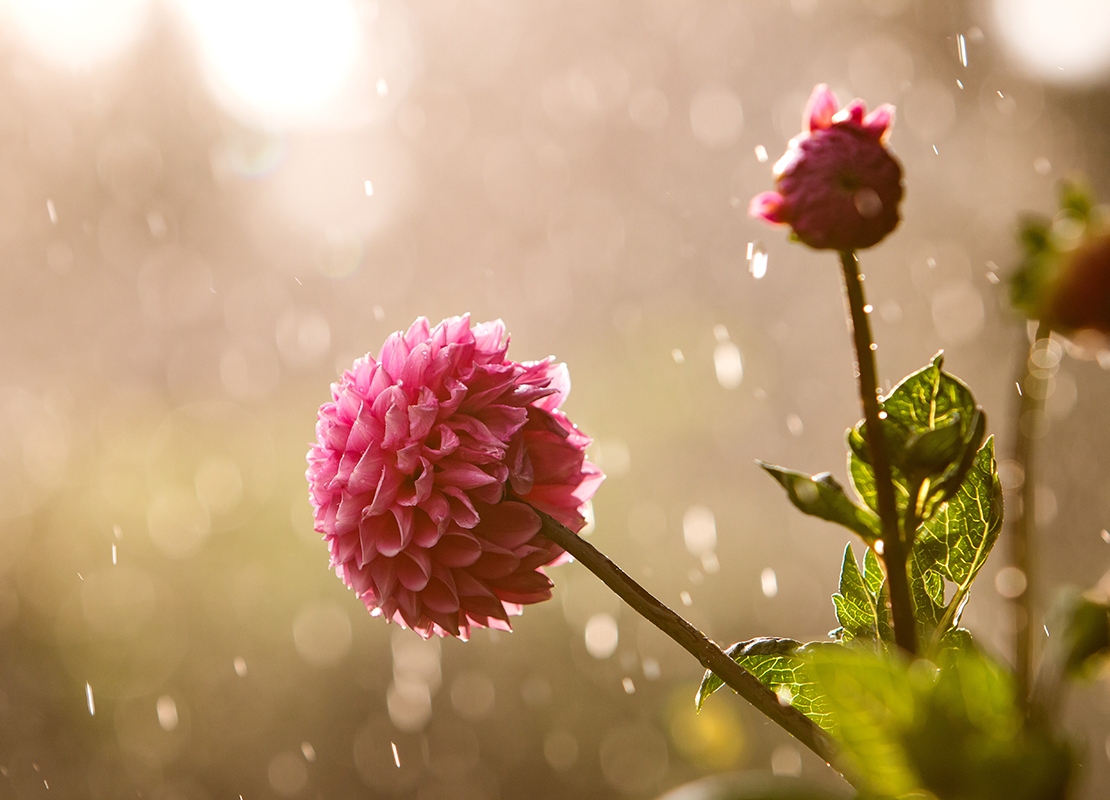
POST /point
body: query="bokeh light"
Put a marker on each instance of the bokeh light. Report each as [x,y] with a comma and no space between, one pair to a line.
[1059,41]
[77,34]
[277,63]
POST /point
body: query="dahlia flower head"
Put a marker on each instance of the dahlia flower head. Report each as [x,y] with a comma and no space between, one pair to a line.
[838,187]
[1064,277]
[429,465]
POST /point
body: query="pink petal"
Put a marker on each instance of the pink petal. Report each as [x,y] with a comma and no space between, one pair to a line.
[880,121]
[767,206]
[820,109]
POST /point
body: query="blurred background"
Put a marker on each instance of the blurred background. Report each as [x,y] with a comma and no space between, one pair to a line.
[209,208]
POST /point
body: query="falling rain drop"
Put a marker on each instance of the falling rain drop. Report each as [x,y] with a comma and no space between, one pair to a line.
[240,666]
[602,636]
[962,47]
[89,698]
[769,582]
[308,751]
[629,686]
[686,599]
[678,357]
[699,529]
[118,531]
[52,212]
[113,555]
[761,153]
[1105,535]
[369,188]
[166,709]
[757,260]
[383,87]
[379,313]
[396,756]
[959,83]
[729,365]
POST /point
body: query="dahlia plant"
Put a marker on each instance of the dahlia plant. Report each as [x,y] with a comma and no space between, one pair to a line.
[445,479]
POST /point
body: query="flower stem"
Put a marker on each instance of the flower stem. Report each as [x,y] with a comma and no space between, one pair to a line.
[1023,526]
[692,640]
[894,547]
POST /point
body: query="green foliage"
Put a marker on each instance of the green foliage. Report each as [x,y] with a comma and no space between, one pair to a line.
[952,728]
[955,544]
[822,496]
[1086,636]
[781,666]
[861,602]
[932,430]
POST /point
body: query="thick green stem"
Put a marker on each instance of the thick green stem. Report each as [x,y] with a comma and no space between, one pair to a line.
[693,641]
[894,546]
[1029,419]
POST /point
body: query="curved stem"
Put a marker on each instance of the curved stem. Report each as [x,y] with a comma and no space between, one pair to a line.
[894,547]
[694,641]
[1023,525]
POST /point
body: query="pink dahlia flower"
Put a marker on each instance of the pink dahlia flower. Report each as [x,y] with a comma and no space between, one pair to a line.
[428,466]
[838,186]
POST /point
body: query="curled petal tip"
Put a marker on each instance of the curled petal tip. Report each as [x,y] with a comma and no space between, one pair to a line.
[820,108]
[879,122]
[767,206]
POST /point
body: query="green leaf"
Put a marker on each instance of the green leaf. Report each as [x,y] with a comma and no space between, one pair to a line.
[821,496]
[951,729]
[870,702]
[955,543]
[781,666]
[855,604]
[873,572]
[932,429]
[1086,636]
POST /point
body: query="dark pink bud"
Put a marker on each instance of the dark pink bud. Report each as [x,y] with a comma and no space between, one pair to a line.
[838,186]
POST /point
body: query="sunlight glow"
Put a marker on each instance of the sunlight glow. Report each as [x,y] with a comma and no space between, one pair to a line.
[77,33]
[1063,41]
[276,62]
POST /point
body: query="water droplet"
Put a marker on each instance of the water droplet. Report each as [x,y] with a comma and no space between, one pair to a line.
[89,698]
[369,188]
[795,425]
[785,760]
[629,686]
[761,153]
[1105,535]
[678,357]
[379,313]
[867,309]
[879,547]
[699,529]
[757,259]
[113,555]
[959,83]
[729,365]
[52,212]
[962,47]
[992,277]
[684,596]
[785,695]
[396,758]
[240,666]
[602,636]
[720,333]
[1010,582]
[118,531]
[935,150]
[868,203]
[874,347]
[709,563]
[309,752]
[769,582]
[650,666]
[1042,166]
[167,712]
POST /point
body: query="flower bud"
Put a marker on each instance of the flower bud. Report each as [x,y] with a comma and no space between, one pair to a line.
[838,187]
[1064,277]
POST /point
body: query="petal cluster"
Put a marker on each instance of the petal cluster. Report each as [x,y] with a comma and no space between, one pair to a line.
[428,464]
[838,187]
